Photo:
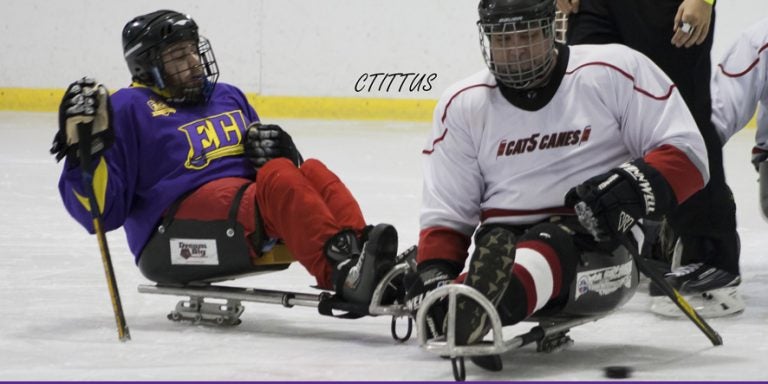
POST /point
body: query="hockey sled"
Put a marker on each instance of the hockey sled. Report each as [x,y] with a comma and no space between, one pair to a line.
[601,286]
[550,335]
[199,309]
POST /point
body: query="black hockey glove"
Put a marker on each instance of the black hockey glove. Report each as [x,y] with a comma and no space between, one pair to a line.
[84,102]
[759,155]
[429,276]
[264,142]
[610,204]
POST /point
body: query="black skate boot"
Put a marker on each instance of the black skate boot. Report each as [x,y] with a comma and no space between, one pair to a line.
[712,290]
[358,269]
[692,274]
[490,271]
[700,277]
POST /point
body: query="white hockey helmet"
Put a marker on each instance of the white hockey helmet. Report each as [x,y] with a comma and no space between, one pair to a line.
[518,40]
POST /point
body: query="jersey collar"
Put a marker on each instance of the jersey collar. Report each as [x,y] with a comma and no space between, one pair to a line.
[537,98]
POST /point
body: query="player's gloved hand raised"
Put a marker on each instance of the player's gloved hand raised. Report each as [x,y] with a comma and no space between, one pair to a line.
[85,102]
[759,155]
[264,142]
[427,277]
[611,203]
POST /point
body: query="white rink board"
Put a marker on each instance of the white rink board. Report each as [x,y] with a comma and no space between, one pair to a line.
[275,47]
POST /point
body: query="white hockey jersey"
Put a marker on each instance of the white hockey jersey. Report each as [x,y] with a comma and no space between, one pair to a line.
[740,82]
[488,160]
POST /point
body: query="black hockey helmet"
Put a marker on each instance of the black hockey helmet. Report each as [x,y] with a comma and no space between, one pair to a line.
[146,37]
[518,40]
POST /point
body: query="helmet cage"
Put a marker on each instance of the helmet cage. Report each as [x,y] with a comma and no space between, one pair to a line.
[203,78]
[514,52]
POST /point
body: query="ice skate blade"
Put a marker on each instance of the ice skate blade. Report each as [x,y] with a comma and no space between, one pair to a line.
[711,304]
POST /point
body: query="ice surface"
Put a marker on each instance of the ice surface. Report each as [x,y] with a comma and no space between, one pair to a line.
[56,321]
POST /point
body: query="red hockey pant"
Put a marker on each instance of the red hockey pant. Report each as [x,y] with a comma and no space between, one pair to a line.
[302,206]
[305,207]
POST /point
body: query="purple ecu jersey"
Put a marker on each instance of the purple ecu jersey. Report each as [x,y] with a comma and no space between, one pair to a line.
[160,153]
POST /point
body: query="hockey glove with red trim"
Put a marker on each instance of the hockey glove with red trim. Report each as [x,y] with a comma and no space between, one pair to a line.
[611,203]
[85,102]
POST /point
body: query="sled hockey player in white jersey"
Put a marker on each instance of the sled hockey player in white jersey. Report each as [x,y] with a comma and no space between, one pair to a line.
[739,84]
[515,147]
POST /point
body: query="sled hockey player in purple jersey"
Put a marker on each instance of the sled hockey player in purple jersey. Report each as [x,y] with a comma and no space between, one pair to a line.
[550,156]
[202,188]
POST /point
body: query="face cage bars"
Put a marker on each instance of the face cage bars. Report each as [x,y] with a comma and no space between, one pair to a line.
[201,93]
[514,52]
[561,26]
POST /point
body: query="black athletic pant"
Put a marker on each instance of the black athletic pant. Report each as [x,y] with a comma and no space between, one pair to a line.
[647,26]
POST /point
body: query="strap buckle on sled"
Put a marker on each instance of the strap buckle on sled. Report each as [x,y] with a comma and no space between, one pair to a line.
[333,303]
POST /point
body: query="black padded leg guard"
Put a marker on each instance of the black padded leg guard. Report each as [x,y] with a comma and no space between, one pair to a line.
[560,238]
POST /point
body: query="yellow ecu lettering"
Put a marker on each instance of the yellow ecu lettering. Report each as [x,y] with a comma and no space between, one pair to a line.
[209,131]
[231,130]
[214,137]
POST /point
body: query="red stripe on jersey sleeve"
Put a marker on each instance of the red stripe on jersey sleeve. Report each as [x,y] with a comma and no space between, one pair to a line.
[746,70]
[526,280]
[684,178]
[550,255]
[434,143]
[445,114]
[442,243]
[628,76]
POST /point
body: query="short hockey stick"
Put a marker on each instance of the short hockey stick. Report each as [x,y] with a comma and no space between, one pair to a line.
[84,134]
[668,289]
